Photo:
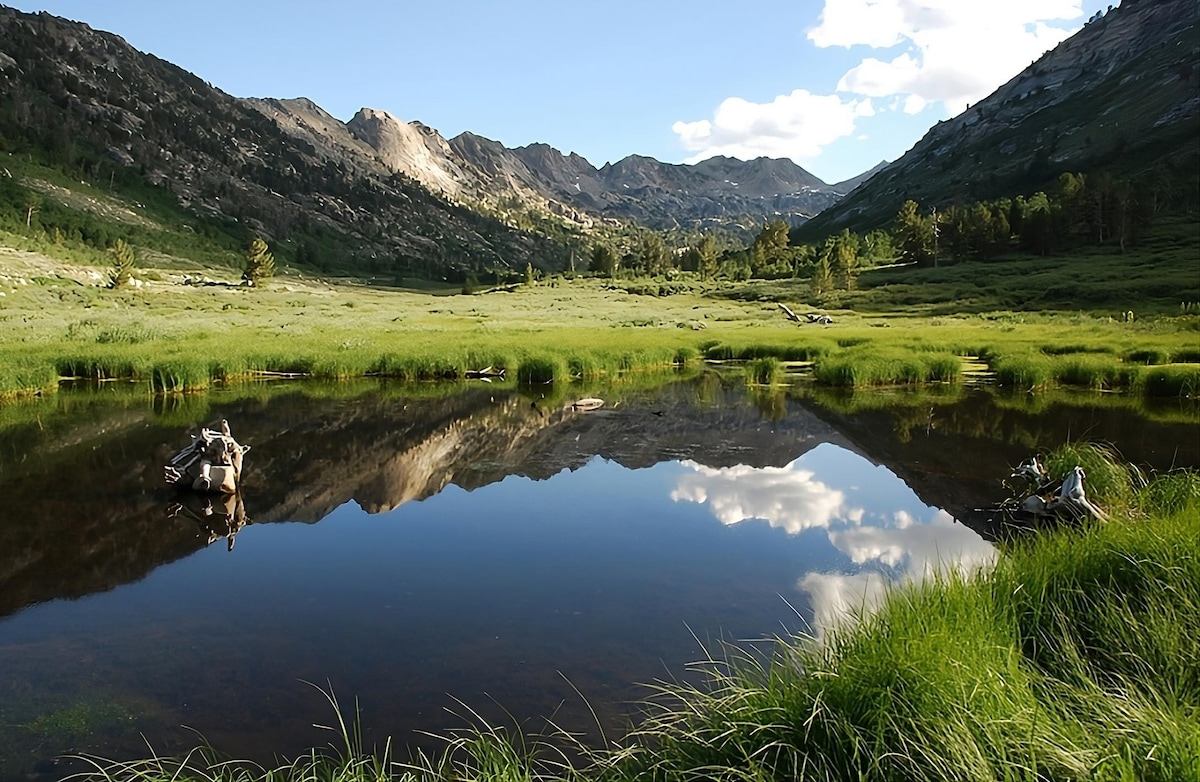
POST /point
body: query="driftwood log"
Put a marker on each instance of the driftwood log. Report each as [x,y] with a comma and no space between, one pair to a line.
[590,403]
[809,317]
[1047,497]
[211,463]
[486,374]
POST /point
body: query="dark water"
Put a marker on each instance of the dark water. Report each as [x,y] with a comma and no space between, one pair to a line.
[486,550]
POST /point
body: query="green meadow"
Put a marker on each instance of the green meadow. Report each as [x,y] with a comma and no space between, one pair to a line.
[176,337]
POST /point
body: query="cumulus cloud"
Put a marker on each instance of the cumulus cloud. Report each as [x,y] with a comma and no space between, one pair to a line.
[788,498]
[918,548]
[836,597]
[926,52]
[890,542]
[955,53]
[798,126]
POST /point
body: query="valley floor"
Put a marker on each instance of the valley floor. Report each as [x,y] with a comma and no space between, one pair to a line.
[179,330]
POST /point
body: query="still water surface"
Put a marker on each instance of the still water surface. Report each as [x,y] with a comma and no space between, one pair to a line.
[487,549]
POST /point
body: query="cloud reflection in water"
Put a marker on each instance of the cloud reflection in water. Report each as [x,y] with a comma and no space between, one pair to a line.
[790,498]
[870,516]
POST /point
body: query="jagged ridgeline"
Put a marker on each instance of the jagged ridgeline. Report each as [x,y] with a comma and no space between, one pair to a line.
[86,105]
[1119,98]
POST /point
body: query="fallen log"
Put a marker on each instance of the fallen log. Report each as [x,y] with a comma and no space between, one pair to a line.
[1042,496]
[485,374]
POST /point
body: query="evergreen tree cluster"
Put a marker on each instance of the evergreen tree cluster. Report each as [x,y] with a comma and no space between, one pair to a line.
[1078,211]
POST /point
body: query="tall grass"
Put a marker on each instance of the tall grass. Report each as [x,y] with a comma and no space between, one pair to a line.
[883,367]
[808,350]
[1168,381]
[765,371]
[312,330]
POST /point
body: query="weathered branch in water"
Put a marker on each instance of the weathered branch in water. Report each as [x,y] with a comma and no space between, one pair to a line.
[212,462]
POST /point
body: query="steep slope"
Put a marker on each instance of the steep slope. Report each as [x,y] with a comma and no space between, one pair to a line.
[373,195]
[85,101]
[853,182]
[1120,96]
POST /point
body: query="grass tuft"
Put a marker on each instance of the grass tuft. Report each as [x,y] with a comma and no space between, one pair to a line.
[766,371]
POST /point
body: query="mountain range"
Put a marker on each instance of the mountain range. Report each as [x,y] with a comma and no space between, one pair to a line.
[383,194]
[472,169]
[375,189]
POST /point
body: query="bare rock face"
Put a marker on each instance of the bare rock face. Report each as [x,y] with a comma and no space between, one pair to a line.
[412,149]
[474,170]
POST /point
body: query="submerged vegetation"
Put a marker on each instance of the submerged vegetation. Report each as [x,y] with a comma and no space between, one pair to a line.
[1073,657]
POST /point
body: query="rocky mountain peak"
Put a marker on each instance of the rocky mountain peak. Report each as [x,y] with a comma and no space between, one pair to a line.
[413,149]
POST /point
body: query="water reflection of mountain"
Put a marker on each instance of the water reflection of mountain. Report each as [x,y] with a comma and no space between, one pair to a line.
[383,453]
[85,510]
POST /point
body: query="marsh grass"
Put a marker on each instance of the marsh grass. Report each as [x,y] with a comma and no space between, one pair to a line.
[1173,380]
[765,371]
[805,351]
[481,751]
[873,366]
[162,333]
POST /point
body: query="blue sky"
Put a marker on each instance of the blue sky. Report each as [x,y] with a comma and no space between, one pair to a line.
[836,85]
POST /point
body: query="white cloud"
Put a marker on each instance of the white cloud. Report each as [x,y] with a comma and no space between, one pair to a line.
[918,548]
[948,52]
[957,52]
[788,498]
[797,126]
[886,545]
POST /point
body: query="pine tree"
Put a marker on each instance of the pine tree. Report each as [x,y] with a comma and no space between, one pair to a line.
[260,263]
[822,279]
[915,235]
[604,261]
[707,260]
[123,260]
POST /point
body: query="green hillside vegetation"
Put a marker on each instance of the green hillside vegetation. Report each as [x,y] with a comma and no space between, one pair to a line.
[87,108]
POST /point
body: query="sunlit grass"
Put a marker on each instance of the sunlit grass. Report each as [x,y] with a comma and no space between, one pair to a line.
[179,338]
